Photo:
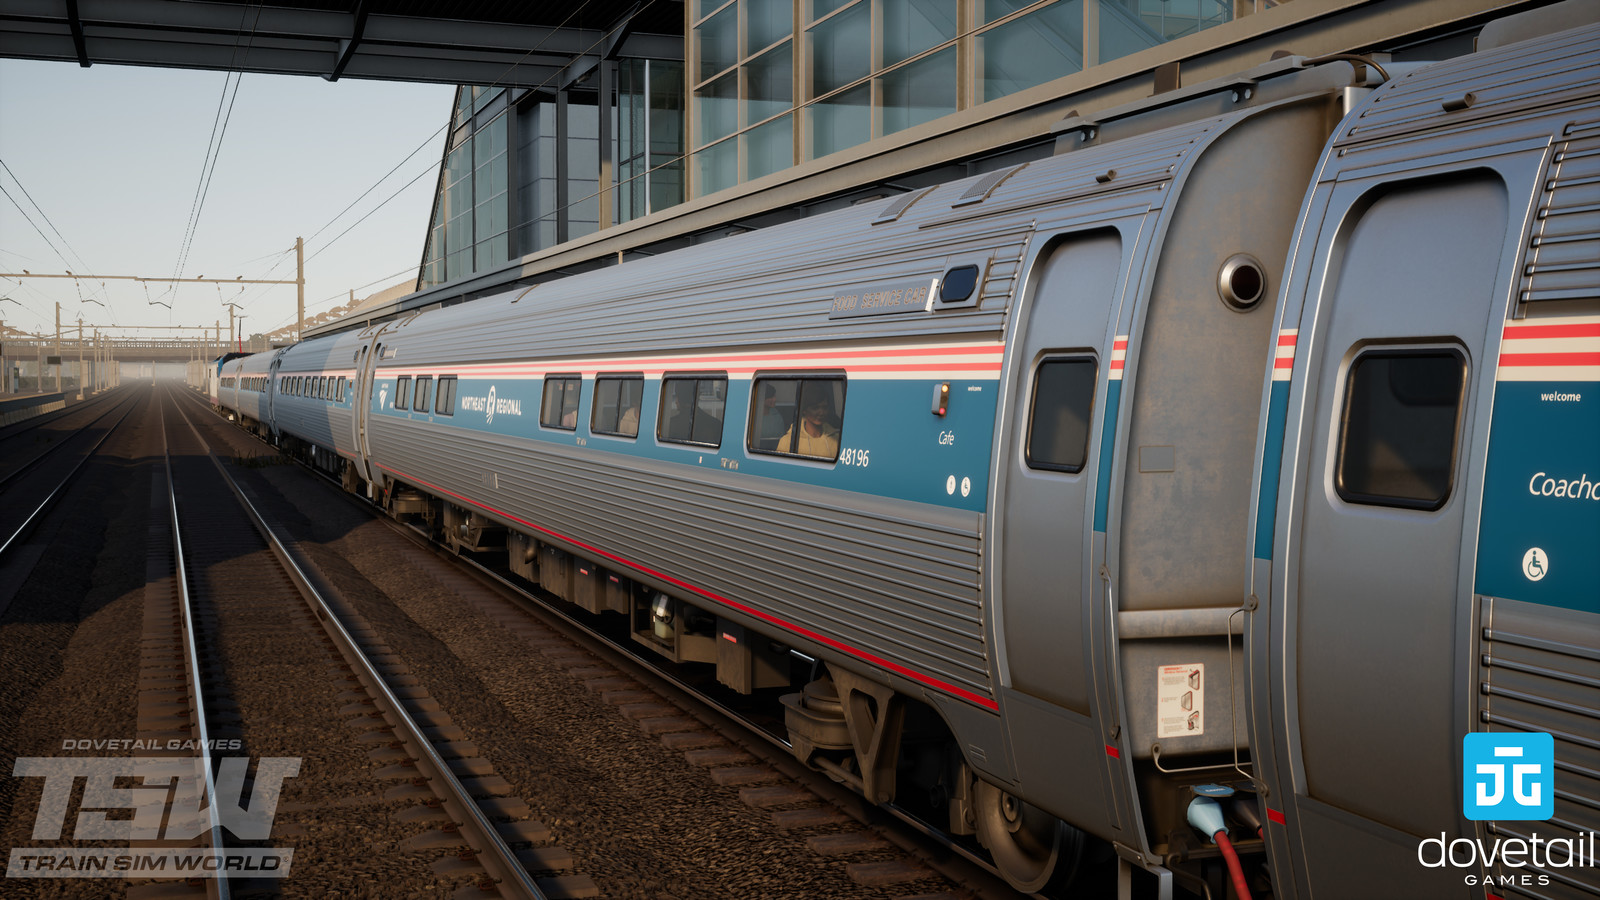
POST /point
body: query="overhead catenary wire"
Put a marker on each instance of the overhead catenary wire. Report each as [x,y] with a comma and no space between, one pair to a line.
[82,263]
[214,146]
[432,166]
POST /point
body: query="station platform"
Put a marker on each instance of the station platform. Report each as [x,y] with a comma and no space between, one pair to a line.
[16,407]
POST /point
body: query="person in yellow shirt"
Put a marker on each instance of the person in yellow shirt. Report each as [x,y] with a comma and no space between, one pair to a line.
[818,435]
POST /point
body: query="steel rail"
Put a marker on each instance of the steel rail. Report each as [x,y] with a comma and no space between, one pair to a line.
[623,655]
[33,517]
[493,854]
[533,604]
[191,657]
[44,454]
[23,426]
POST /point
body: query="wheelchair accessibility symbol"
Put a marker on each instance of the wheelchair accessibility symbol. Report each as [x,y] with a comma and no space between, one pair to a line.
[1535,564]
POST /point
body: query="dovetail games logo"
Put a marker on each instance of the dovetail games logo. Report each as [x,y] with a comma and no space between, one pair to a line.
[168,805]
[1508,777]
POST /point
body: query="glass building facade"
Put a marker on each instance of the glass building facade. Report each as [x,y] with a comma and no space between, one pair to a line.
[779,82]
[764,85]
[522,170]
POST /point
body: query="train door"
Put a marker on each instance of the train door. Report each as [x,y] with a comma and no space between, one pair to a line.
[366,359]
[1374,630]
[1046,612]
[366,363]
[272,394]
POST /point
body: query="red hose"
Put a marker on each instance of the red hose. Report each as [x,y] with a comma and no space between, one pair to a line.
[1234,869]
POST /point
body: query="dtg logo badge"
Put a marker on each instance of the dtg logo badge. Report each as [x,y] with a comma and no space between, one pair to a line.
[1509,777]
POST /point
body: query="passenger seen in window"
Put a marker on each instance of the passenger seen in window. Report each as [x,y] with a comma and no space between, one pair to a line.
[628,422]
[773,424]
[818,431]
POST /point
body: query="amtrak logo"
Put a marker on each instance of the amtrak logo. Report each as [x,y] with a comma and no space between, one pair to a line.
[383,397]
[490,420]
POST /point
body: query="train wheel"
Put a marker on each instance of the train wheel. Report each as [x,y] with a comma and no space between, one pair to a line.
[1030,847]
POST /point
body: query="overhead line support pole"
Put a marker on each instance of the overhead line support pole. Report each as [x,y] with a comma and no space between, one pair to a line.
[300,287]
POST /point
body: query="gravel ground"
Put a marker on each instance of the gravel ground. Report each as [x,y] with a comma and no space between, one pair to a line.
[69,649]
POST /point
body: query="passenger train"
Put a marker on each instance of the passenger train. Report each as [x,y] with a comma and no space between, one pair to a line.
[1189,494]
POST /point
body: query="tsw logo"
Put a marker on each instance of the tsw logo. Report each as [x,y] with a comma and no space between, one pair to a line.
[168,783]
[1509,777]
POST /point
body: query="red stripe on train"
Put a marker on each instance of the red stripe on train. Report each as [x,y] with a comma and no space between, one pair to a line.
[928,680]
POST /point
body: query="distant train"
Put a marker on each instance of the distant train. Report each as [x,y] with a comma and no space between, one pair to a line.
[1222,471]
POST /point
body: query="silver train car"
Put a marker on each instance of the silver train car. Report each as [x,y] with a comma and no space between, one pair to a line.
[1231,472]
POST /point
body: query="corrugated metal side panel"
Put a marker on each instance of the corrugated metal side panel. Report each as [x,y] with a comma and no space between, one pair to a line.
[776,286]
[894,580]
[1526,77]
[318,421]
[1540,671]
[1563,261]
[312,420]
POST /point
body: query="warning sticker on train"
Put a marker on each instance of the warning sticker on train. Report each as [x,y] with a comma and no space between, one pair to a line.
[1181,701]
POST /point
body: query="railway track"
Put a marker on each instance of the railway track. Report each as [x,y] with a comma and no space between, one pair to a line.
[884,852]
[28,500]
[235,581]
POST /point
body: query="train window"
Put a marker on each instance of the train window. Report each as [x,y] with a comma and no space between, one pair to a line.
[402,392]
[338,392]
[560,406]
[445,405]
[424,391]
[616,405]
[691,410]
[799,416]
[1058,426]
[1402,415]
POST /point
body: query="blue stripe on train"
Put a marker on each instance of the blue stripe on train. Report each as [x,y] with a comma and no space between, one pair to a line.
[1108,440]
[902,450]
[1539,539]
[1271,469]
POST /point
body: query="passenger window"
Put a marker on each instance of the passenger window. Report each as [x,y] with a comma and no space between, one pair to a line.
[1058,427]
[616,405]
[338,392]
[424,387]
[402,392]
[1402,413]
[445,405]
[560,405]
[799,416]
[691,410]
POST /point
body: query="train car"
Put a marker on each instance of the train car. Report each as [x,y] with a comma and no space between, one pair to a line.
[1246,446]
[890,438]
[212,377]
[244,391]
[1426,550]
[314,399]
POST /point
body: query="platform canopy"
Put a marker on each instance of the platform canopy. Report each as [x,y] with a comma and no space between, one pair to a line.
[509,43]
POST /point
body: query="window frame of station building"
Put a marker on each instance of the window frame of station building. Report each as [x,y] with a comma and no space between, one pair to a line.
[866,69]
[502,182]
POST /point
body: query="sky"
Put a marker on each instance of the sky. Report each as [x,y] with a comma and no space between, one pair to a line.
[107,163]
